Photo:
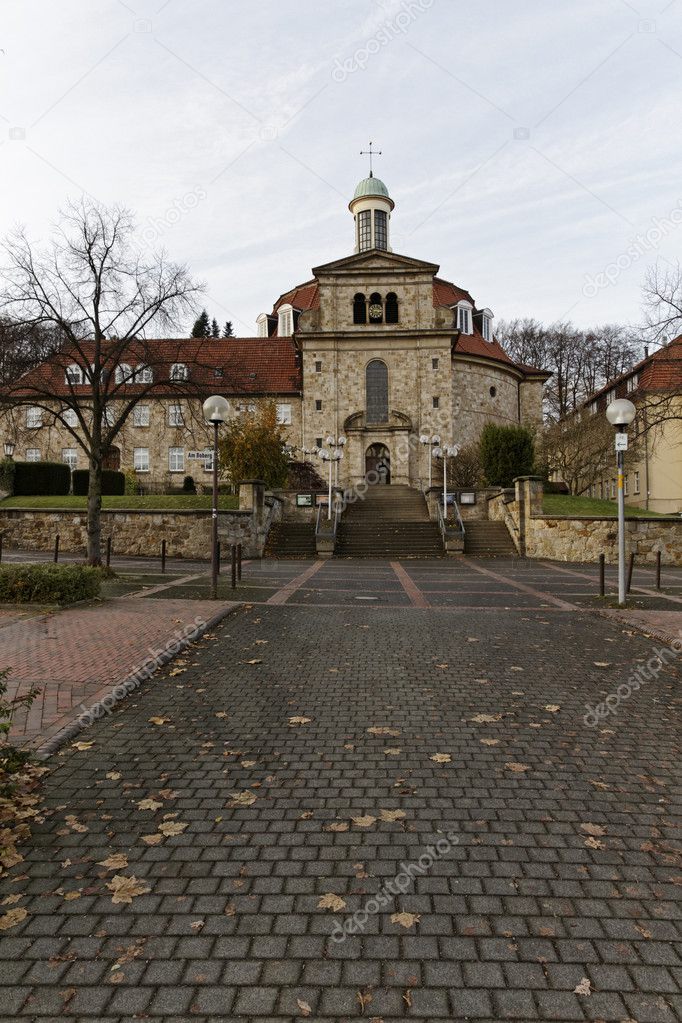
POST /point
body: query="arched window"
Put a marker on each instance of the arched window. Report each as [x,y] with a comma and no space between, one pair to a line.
[359,309]
[391,307]
[376,308]
[376,388]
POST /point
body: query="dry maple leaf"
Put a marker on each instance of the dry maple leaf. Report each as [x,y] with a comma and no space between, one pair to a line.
[584,987]
[10,900]
[152,839]
[593,829]
[221,714]
[12,917]
[337,826]
[405,919]
[299,720]
[333,902]
[172,828]
[490,742]
[364,822]
[391,815]
[517,768]
[113,775]
[376,730]
[594,843]
[244,798]
[125,889]
[304,1007]
[82,746]
[392,751]
[70,896]
[149,804]
[117,861]
[75,824]
[248,763]
[441,758]
[553,708]
[486,719]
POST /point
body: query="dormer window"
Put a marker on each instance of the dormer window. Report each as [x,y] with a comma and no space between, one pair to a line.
[123,373]
[179,372]
[144,375]
[632,383]
[74,375]
[464,310]
[285,324]
[262,325]
[487,325]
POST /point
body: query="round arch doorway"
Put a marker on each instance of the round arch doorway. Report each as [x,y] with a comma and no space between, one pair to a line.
[378,464]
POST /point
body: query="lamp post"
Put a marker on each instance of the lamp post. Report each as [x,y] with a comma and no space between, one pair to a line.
[9,448]
[431,442]
[445,452]
[333,457]
[620,413]
[215,413]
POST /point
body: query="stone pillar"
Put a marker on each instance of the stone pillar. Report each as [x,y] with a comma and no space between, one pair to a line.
[529,493]
[252,496]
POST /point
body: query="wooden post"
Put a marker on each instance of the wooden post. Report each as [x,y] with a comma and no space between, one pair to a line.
[233,551]
[239,561]
[56,548]
[108,551]
[658,568]
[602,575]
[163,557]
[630,568]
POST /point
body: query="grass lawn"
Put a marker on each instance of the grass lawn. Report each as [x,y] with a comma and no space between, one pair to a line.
[153,502]
[564,504]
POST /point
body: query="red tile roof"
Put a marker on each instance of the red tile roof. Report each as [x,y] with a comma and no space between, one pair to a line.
[302,297]
[249,365]
[660,371]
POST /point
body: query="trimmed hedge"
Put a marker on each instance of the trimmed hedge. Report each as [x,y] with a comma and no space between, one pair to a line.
[48,584]
[32,479]
[113,482]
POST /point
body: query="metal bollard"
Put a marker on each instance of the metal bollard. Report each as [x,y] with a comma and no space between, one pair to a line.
[163,557]
[658,568]
[233,551]
[602,575]
[0,548]
[630,568]
[108,552]
[56,548]
[217,547]
[239,561]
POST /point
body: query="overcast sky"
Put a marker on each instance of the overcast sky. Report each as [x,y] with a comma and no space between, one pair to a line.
[526,145]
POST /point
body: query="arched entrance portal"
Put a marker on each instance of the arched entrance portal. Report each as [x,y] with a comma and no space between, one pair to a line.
[377,464]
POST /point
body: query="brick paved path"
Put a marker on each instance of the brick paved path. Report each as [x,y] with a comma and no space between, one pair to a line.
[75,656]
[565,872]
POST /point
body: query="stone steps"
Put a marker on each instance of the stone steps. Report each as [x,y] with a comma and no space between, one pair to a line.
[291,540]
[488,540]
[389,522]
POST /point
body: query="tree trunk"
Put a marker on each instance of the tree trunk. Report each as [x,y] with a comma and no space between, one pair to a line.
[95,510]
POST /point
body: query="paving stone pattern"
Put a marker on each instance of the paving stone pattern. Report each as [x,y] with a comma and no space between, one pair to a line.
[566,872]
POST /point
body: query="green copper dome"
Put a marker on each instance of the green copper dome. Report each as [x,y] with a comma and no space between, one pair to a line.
[371,186]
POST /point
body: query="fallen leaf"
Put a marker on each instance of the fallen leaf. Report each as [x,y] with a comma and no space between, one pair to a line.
[392,751]
[383,731]
[517,768]
[75,824]
[593,829]
[441,758]
[364,998]
[553,708]
[152,839]
[159,721]
[594,843]
[172,828]
[221,714]
[248,763]
[391,815]
[244,798]
[304,1007]
[149,804]
[405,919]
[12,917]
[486,719]
[602,664]
[125,889]
[299,721]
[337,826]
[331,901]
[70,896]
[82,746]
[254,660]
[10,900]
[118,861]
[364,822]
[490,742]
[197,925]
[113,775]
[584,987]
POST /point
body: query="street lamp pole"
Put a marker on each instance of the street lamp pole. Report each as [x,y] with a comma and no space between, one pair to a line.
[333,457]
[447,451]
[620,413]
[215,411]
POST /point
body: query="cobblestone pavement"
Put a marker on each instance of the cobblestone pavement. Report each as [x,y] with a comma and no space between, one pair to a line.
[75,656]
[308,760]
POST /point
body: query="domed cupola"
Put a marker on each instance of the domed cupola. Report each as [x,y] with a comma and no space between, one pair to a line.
[371,207]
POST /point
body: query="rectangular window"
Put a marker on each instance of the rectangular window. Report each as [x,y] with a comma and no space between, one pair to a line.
[144,375]
[318,367]
[318,405]
[32,454]
[141,459]
[380,229]
[70,456]
[176,459]
[175,415]
[208,463]
[436,402]
[633,381]
[611,396]
[636,482]
[70,418]
[434,363]
[141,415]
[464,320]
[365,230]
[284,415]
[318,442]
[34,417]
[487,333]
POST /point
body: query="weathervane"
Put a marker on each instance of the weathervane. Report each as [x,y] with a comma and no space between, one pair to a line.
[370,153]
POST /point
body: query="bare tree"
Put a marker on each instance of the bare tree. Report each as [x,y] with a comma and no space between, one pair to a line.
[96,300]
[578,449]
[663,301]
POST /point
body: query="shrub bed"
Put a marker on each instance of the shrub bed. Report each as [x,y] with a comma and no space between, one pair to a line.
[113,482]
[48,584]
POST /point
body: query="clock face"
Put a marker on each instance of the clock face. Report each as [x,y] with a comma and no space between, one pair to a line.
[375,312]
